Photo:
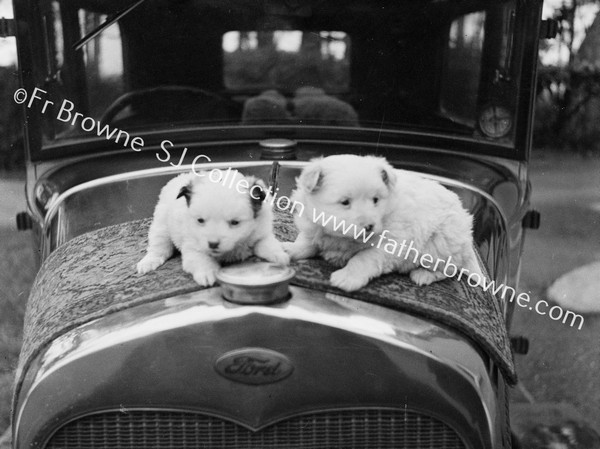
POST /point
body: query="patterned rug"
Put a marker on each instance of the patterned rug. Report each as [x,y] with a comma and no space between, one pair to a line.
[93,275]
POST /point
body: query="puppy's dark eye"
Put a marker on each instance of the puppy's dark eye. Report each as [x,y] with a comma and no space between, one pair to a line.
[234,222]
[375,200]
[345,202]
[201,220]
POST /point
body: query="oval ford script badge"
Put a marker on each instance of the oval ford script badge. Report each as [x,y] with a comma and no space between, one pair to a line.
[254,366]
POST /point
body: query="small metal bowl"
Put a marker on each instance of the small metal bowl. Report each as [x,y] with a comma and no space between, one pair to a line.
[255,282]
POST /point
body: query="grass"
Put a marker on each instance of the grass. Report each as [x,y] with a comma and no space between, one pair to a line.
[16,277]
[562,363]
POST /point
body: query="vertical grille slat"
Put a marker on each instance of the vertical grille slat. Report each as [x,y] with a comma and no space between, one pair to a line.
[342,429]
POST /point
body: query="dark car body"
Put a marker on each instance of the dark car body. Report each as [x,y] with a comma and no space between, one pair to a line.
[444,88]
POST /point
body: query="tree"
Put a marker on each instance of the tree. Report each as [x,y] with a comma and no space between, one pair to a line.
[588,55]
[569,91]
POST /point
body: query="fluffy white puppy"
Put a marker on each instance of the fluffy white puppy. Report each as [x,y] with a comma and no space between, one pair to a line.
[213,217]
[361,214]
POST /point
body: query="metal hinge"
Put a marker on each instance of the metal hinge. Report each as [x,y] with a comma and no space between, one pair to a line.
[548,29]
[519,344]
[24,221]
[531,219]
[7,27]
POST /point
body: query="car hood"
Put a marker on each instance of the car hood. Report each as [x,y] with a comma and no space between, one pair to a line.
[93,323]
[87,289]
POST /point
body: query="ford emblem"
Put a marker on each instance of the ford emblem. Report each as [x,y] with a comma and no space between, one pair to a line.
[254,366]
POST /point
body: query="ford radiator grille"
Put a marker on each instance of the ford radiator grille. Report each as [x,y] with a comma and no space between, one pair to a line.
[356,429]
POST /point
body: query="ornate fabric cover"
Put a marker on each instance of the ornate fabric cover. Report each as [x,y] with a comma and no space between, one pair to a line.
[93,275]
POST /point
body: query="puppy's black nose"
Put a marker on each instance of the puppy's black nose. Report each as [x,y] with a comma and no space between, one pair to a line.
[213,245]
[369,228]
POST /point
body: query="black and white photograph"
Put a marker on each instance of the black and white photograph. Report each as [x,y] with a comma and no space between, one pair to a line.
[299,224]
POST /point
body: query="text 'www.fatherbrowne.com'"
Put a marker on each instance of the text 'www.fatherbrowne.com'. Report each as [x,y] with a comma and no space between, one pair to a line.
[407,250]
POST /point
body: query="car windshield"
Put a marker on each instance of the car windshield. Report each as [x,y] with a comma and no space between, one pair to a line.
[433,66]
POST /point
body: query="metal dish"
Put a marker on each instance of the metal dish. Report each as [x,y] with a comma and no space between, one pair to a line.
[255,282]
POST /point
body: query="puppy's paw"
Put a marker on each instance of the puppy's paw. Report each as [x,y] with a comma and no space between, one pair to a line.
[205,278]
[421,276]
[149,263]
[296,251]
[290,249]
[348,280]
[280,257]
[337,258]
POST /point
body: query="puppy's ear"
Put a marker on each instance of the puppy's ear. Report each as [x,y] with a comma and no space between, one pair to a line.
[388,175]
[258,194]
[311,177]
[186,191]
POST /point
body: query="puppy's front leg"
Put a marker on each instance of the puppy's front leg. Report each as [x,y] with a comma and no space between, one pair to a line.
[201,266]
[270,249]
[360,269]
[302,248]
[160,248]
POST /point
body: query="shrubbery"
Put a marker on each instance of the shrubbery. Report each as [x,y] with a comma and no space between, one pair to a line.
[568,109]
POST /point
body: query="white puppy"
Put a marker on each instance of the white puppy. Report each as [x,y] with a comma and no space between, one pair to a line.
[361,214]
[213,217]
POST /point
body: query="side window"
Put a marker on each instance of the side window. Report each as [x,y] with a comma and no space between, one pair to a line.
[55,48]
[462,68]
[103,59]
[90,78]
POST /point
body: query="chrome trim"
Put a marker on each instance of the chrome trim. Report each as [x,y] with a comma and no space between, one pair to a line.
[83,139]
[137,174]
[244,425]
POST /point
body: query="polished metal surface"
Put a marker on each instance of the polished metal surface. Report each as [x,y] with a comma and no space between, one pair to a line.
[345,354]
[333,343]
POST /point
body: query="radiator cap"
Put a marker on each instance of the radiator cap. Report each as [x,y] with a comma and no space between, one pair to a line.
[255,282]
[278,149]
